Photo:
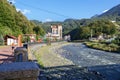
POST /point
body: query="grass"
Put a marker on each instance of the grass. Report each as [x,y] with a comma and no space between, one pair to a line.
[105,47]
[47,58]
[39,54]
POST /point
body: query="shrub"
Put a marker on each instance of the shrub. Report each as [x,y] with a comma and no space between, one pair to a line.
[103,46]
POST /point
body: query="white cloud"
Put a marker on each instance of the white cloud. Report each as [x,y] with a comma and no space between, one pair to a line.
[18,9]
[48,20]
[25,11]
[13,1]
[105,10]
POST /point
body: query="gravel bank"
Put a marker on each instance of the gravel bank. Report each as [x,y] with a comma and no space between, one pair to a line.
[50,58]
[74,61]
[82,56]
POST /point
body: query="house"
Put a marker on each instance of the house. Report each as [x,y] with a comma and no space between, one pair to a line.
[67,38]
[56,33]
[9,40]
[31,36]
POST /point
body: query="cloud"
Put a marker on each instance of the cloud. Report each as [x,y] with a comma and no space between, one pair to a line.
[105,10]
[48,20]
[13,1]
[18,9]
[25,11]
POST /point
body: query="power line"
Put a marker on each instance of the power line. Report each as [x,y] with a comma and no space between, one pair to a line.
[47,11]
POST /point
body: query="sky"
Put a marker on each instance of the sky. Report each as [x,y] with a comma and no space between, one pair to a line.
[59,10]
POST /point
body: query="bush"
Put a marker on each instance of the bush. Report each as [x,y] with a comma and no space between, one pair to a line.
[106,47]
[112,45]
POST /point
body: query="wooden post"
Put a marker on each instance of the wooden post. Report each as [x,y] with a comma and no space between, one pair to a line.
[20,41]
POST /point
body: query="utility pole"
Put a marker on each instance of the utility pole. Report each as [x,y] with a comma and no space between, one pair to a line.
[91,33]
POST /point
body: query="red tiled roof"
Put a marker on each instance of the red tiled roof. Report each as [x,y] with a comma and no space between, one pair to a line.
[13,37]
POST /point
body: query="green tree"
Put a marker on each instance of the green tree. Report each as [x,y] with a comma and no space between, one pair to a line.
[39,31]
[4,30]
[84,32]
[14,21]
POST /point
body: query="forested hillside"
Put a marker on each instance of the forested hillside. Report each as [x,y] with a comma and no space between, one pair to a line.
[96,28]
[13,22]
[111,14]
[68,24]
[81,28]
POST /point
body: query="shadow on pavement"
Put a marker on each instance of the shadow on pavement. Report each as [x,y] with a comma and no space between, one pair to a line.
[72,72]
[69,72]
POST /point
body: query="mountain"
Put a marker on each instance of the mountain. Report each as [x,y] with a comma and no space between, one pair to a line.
[111,14]
[13,22]
[68,24]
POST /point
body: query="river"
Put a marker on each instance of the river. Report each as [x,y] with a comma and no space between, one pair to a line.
[88,64]
[83,56]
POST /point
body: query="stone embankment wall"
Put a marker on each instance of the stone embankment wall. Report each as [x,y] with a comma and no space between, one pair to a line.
[21,69]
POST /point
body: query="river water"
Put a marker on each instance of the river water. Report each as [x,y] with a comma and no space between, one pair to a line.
[106,63]
[89,64]
[83,56]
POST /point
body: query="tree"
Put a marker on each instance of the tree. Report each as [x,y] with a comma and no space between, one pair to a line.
[84,32]
[13,22]
[4,30]
[39,31]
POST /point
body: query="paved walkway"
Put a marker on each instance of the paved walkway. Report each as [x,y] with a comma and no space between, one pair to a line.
[6,55]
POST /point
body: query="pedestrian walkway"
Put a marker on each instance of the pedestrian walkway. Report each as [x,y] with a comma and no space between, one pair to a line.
[6,54]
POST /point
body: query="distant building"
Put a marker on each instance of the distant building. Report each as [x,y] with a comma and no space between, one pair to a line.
[113,21]
[100,37]
[67,38]
[9,40]
[56,33]
[31,36]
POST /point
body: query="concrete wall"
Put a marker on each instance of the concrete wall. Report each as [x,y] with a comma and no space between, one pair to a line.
[21,54]
[19,71]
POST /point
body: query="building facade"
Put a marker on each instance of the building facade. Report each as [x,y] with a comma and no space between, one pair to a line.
[31,36]
[56,32]
[9,40]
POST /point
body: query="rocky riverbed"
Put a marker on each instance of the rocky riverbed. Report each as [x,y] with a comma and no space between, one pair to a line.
[80,55]
[74,61]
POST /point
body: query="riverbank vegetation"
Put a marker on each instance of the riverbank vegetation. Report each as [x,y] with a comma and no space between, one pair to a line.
[94,29]
[110,47]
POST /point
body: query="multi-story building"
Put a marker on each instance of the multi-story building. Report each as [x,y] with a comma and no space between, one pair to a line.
[56,33]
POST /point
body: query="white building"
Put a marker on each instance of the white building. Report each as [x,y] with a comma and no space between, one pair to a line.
[56,33]
[9,40]
[31,36]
